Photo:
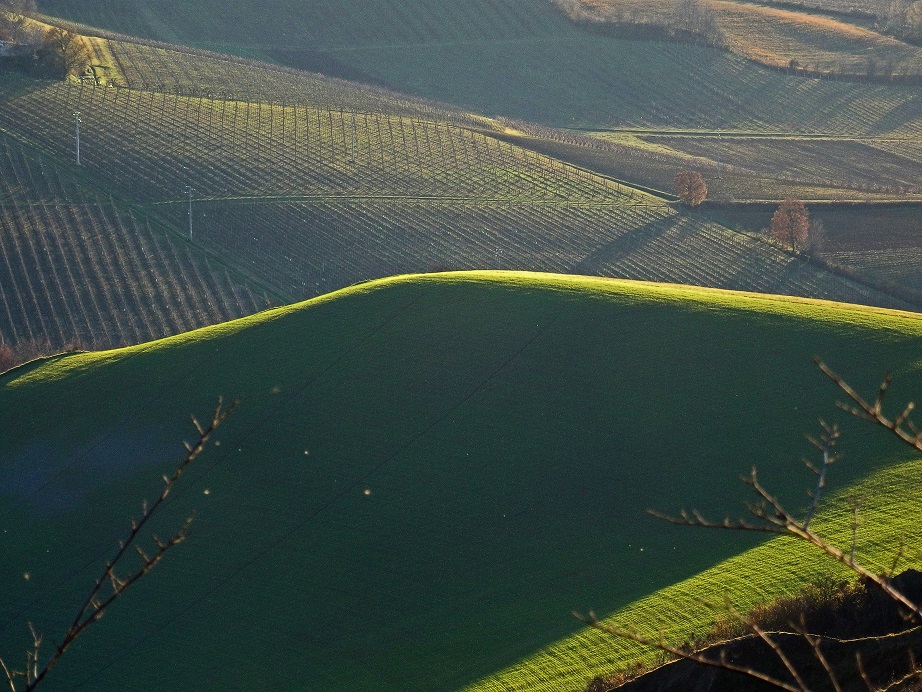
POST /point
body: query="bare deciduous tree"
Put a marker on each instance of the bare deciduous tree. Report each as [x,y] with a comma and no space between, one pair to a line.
[790,224]
[63,52]
[816,237]
[695,17]
[14,24]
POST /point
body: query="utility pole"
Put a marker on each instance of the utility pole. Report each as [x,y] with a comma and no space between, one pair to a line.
[719,147]
[77,127]
[189,192]
[352,159]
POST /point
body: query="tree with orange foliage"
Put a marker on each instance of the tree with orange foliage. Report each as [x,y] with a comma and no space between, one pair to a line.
[690,188]
[790,224]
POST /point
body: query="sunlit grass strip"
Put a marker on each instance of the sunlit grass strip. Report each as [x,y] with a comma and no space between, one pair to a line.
[889,506]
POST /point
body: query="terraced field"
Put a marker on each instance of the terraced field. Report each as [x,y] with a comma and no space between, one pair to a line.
[495,57]
[321,24]
[716,90]
[898,266]
[291,150]
[509,429]
[171,69]
[862,166]
[875,7]
[78,268]
[347,183]
[316,247]
[645,160]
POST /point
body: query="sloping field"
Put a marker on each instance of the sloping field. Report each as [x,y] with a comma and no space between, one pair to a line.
[898,266]
[503,57]
[149,146]
[875,7]
[861,166]
[774,36]
[305,200]
[77,268]
[310,248]
[646,160]
[426,475]
[172,69]
[320,24]
[579,79]
[749,166]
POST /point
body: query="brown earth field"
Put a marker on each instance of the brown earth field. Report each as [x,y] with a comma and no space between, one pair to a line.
[850,227]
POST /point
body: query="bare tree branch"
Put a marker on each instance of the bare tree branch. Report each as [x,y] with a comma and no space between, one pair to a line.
[814,642]
[766,637]
[900,426]
[109,586]
[693,656]
[825,445]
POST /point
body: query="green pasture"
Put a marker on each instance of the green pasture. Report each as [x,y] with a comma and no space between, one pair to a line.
[426,475]
[773,569]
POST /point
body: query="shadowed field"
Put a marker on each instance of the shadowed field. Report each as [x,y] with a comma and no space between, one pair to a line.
[473,450]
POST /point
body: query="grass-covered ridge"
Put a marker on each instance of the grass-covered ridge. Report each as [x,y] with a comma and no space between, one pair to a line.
[511,429]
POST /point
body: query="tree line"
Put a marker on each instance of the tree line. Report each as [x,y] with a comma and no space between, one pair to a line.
[50,52]
[904,19]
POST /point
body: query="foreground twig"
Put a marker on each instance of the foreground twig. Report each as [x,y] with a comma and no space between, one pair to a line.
[693,656]
[901,425]
[110,585]
[770,516]
[776,519]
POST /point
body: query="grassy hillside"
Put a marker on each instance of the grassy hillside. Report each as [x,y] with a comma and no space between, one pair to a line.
[774,569]
[426,474]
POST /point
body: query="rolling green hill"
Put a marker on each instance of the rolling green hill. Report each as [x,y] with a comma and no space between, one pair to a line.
[427,474]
